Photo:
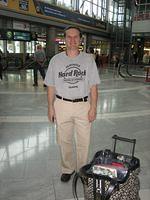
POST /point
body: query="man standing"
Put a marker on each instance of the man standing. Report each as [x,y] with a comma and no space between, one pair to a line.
[72,80]
[40,59]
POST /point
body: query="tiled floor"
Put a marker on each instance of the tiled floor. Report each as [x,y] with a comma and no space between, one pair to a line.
[29,154]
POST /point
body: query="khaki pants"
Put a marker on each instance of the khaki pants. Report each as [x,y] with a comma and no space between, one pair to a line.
[72,118]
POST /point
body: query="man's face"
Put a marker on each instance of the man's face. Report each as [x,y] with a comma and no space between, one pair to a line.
[72,39]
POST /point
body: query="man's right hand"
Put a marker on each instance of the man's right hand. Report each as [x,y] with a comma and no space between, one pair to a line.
[51,98]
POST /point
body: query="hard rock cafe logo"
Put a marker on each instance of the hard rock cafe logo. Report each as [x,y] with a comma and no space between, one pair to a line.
[73,74]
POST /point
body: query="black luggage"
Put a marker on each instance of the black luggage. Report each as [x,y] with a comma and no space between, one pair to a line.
[110,175]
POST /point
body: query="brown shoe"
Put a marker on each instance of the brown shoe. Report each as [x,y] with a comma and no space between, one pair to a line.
[66,177]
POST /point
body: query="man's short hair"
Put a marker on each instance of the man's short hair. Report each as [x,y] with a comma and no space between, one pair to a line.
[74,27]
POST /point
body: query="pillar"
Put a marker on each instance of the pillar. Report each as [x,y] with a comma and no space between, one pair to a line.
[88,41]
[22,51]
[50,42]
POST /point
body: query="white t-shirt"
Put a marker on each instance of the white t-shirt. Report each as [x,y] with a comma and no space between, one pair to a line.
[72,77]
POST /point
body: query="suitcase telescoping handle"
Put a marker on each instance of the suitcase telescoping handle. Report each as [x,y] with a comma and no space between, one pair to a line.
[116,137]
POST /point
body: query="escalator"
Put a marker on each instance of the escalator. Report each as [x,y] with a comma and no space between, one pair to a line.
[132,72]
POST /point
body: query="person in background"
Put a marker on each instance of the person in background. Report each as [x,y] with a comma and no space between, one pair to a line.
[72,80]
[1,66]
[117,61]
[40,59]
[146,58]
[135,56]
[91,51]
[97,59]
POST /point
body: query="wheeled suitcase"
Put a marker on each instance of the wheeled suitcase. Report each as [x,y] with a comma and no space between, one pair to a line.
[110,175]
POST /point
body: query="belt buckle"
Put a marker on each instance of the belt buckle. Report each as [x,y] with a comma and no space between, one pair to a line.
[84,99]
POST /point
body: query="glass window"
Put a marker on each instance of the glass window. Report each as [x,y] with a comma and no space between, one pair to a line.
[48,1]
[110,17]
[111,6]
[102,9]
[17,46]
[99,3]
[2,46]
[13,46]
[94,13]
[104,3]
[120,24]
[127,24]
[103,14]
[127,18]
[121,9]
[110,11]
[95,2]
[63,3]
[87,8]
[94,8]
[127,14]
[30,47]
[99,13]
[68,3]
[81,3]
[120,17]
[10,47]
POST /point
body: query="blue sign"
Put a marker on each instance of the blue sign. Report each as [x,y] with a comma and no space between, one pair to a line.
[55,11]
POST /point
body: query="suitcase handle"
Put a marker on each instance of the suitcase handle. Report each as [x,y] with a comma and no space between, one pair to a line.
[116,137]
[105,195]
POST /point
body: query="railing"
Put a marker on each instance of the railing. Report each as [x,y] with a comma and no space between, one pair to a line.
[11,62]
[132,72]
[142,16]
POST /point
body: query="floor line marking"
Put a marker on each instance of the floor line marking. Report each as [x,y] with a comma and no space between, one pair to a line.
[101,91]
[27,119]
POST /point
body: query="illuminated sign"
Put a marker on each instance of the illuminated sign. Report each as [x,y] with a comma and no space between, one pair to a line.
[22,36]
[17,35]
[9,35]
[6,34]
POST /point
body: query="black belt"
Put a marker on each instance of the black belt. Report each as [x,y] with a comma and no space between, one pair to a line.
[84,99]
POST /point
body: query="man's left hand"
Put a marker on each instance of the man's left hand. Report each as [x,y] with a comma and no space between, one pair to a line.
[92,115]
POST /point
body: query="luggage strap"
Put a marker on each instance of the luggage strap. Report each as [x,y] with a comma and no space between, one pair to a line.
[105,196]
